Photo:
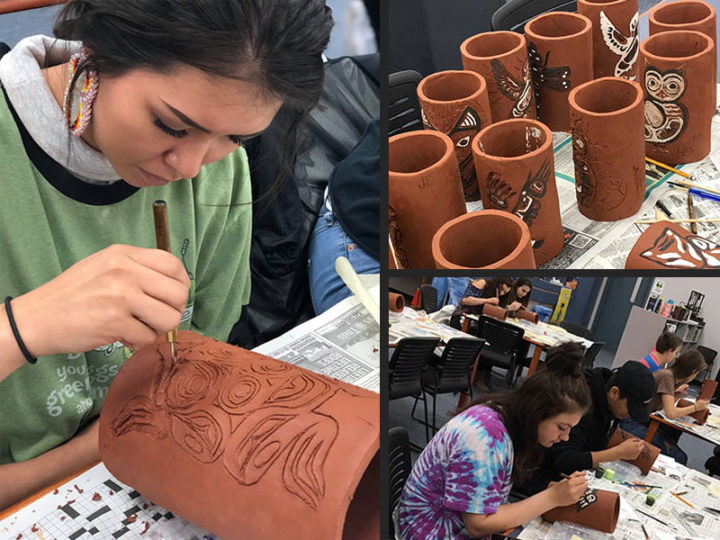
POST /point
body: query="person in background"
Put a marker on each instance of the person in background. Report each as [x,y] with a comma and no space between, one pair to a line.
[666,349]
[625,392]
[482,291]
[460,484]
[519,296]
[671,384]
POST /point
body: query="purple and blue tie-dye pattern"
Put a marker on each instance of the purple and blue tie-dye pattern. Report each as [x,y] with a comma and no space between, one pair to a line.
[466,467]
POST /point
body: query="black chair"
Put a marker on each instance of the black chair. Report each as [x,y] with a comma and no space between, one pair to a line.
[709,356]
[503,344]
[406,370]
[399,467]
[592,352]
[451,372]
[404,108]
[429,296]
[514,14]
[576,329]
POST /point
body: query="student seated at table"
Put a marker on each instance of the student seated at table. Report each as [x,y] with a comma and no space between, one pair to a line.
[519,296]
[460,484]
[666,349]
[670,385]
[625,392]
[482,291]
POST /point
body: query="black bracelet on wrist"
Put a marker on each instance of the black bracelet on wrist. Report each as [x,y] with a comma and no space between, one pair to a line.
[21,344]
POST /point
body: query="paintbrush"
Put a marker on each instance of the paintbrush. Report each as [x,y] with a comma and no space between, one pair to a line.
[162,239]
[691,212]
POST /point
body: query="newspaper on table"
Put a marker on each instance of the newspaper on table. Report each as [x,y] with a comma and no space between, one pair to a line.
[411,323]
[710,431]
[606,244]
[343,342]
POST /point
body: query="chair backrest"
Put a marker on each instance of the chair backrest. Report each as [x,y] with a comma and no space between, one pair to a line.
[399,466]
[514,14]
[407,363]
[708,354]
[499,336]
[404,108]
[456,362]
[576,329]
[429,295]
[592,352]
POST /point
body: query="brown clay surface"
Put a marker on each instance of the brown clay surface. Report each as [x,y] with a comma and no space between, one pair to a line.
[608,148]
[425,191]
[456,103]
[597,508]
[647,457]
[251,447]
[707,391]
[677,76]
[516,170]
[484,239]
[494,311]
[396,302]
[615,36]
[528,315]
[501,58]
[668,245]
[699,416]
[560,53]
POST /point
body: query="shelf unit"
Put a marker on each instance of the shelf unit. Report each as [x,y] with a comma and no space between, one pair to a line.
[689,331]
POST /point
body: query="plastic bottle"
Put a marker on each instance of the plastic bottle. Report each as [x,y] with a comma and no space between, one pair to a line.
[667,308]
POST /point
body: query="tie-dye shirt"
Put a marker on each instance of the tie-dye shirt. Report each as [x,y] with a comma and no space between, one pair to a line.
[466,467]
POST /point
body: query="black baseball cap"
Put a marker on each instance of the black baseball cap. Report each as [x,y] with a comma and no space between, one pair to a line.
[638,385]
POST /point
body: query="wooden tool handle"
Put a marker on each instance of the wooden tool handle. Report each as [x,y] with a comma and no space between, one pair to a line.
[162,231]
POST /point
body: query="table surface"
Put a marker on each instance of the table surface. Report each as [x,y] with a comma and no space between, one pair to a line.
[709,432]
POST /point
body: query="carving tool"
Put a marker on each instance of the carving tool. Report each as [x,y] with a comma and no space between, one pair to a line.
[162,239]
[647,536]
[394,255]
[691,211]
[664,208]
[652,517]
[351,279]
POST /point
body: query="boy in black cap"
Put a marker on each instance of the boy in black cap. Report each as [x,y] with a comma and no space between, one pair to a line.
[622,393]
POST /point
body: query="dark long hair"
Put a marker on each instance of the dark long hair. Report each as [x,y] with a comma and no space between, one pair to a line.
[525,300]
[558,386]
[689,362]
[276,44]
[492,289]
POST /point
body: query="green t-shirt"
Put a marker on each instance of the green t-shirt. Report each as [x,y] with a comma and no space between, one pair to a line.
[43,232]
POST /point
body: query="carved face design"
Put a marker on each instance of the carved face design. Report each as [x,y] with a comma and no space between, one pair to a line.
[683,251]
[664,86]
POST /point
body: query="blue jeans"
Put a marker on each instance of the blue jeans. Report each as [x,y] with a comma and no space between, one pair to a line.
[639,430]
[328,242]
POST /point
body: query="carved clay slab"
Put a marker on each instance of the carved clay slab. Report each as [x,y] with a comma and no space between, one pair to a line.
[242,444]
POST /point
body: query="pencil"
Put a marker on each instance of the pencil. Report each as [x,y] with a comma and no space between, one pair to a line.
[683,500]
[647,536]
[667,167]
[162,239]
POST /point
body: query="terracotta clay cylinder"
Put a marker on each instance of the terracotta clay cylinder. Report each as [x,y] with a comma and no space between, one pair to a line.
[528,315]
[687,15]
[516,171]
[396,302]
[647,457]
[483,239]
[560,53]
[608,148]
[677,74]
[424,192]
[456,103]
[667,245]
[615,36]
[244,445]
[502,59]
[494,311]
[707,391]
[597,509]
[699,416]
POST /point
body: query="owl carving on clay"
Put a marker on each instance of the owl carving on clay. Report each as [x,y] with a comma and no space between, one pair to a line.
[665,116]
[626,47]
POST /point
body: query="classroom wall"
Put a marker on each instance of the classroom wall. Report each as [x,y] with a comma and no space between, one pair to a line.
[678,289]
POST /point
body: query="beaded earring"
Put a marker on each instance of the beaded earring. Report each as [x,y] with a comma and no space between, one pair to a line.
[77,104]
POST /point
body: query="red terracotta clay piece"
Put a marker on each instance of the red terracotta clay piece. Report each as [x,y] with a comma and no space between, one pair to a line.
[516,171]
[560,53]
[615,36]
[501,58]
[253,447]
[456,103]
[425,191]
[707,391]
[494,311]
[647,457]
[528,315]
[396,302]
[677,75]
[667,245]
[699,416]
[484,239]
[597,509]
[608,148]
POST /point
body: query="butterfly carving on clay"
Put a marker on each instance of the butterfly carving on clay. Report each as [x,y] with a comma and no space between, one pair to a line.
[665,117]
[554,78]
[626,47]
[528,204]
[683,251]
[519,92]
